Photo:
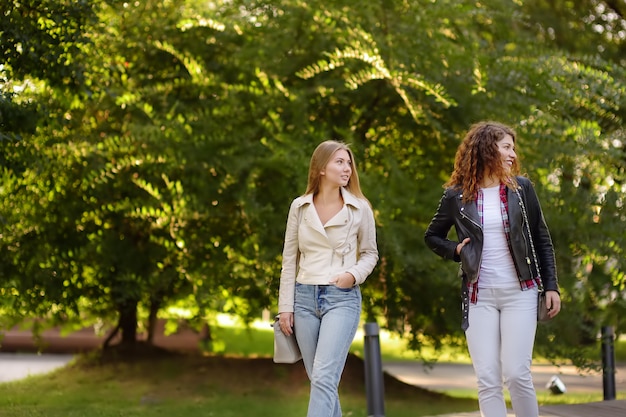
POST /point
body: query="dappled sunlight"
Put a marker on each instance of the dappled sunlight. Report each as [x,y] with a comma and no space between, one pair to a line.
[392,346]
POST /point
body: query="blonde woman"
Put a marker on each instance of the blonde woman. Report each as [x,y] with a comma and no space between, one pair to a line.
[329,250]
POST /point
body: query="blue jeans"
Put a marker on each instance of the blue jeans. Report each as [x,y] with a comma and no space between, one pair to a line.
[325,320]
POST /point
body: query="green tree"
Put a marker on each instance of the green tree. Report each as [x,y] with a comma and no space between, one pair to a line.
[168,181]
[40,40]
[402,91]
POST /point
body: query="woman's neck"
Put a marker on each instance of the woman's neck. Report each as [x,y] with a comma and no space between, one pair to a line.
[328,195]
[489,182]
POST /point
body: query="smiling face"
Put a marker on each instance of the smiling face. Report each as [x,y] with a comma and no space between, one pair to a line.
[506,147]
[338,170]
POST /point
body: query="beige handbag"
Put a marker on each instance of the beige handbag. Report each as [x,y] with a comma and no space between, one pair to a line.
[286,348]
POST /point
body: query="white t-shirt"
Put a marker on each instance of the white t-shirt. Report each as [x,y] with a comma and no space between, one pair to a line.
[496,268]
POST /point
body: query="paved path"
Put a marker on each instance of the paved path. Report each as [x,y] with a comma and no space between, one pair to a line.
[445,376]
[614,408]
[440,377]
[14,366]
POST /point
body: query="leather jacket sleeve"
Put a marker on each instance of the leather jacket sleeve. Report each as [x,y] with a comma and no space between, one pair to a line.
[436,236]
[450,213]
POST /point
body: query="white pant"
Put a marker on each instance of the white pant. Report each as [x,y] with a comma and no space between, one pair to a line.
[500,339]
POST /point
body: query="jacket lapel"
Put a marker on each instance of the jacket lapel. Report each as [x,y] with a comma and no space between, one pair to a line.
[343,217]
[340,218]
[313,221]
[469,209]
[515,211]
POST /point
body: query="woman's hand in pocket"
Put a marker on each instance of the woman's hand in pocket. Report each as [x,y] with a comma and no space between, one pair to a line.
[345,280]
[459,247]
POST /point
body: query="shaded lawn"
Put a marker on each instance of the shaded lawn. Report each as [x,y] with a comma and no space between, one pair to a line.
[157,384]
[243,382]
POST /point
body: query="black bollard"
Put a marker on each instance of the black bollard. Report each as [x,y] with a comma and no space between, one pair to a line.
[374,387]
[608,363]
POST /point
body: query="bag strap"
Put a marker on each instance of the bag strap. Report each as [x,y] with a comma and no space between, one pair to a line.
[530,238]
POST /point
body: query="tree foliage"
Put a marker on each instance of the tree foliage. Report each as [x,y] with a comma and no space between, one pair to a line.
[163,171]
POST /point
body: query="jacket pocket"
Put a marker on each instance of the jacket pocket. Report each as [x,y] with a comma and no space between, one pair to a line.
[470,262]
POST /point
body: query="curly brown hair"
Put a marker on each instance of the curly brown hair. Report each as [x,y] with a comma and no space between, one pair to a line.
[478,155]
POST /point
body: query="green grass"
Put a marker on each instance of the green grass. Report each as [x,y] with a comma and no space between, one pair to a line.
[620,350]
[240,380]
[186,386]
[256,341]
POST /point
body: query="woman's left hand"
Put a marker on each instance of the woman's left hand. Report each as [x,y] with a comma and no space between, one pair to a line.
[553,302]
[345,280]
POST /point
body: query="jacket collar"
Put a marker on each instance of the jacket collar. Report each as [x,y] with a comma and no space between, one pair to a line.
[348,198]
[341,218]
[470,209]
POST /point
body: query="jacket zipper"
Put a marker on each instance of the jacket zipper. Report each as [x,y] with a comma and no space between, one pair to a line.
[470,220]
[526,243]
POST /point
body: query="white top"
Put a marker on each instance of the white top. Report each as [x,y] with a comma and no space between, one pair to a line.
[496,268]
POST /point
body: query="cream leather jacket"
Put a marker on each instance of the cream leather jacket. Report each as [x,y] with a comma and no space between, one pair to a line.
[314,253]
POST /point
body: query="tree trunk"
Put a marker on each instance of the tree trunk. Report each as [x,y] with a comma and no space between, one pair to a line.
[206,338]
[128,321]
[152,320]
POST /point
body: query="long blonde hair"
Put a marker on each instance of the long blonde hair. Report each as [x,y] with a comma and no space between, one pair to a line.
[320,158]
[477,153]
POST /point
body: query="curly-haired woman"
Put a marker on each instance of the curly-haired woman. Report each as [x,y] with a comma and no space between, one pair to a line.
[506,254]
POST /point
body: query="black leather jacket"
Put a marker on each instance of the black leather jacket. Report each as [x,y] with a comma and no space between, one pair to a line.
[464,217]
